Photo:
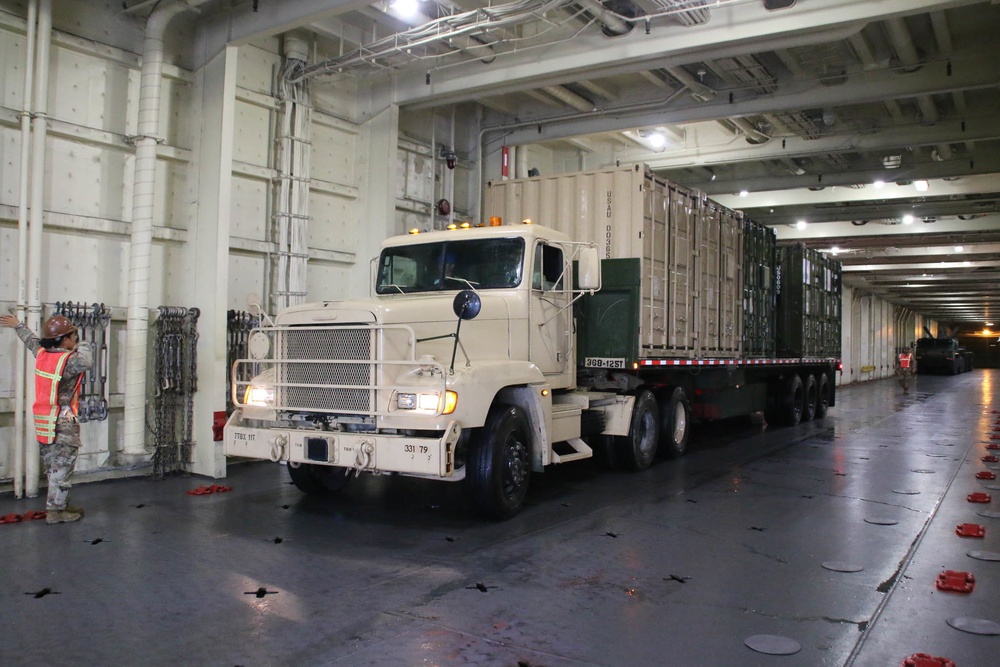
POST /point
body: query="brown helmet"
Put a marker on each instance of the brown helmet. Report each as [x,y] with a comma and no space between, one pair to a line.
[57,326]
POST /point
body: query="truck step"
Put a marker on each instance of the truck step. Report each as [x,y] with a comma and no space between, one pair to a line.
[580,451]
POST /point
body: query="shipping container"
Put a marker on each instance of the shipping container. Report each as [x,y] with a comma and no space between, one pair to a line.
[689,250]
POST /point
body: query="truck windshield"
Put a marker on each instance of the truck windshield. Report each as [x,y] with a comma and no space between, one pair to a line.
[451,265]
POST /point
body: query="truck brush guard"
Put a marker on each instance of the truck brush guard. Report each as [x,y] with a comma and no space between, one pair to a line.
[339,370]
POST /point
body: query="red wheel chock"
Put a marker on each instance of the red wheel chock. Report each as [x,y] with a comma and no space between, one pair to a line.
[970,530]
[926,660]
[959,582]
[205,490]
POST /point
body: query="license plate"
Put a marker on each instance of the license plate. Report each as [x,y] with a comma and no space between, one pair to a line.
[603,362]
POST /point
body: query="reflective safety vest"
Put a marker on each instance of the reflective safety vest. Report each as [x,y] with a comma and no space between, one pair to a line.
[48,372]
[904,360]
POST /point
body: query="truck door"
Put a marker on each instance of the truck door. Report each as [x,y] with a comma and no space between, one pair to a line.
[550,316]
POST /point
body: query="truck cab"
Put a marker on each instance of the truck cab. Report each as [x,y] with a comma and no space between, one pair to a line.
[449,370]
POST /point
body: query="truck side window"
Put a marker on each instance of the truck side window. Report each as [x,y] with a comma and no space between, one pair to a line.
[546,274]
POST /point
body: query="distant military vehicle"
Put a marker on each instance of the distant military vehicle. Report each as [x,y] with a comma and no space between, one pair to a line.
[942,354]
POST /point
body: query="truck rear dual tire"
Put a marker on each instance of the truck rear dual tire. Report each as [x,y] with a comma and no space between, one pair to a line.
[810,397]
[317,480]
[823,388]
[675,424]
[499,465]
[637,450]
[788,399]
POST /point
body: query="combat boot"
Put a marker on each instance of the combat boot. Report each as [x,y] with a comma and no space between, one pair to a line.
[75,510]
[61,516]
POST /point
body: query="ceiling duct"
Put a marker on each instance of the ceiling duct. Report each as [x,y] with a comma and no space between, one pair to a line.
[609,19]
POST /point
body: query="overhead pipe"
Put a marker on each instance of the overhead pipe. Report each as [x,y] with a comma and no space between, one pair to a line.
[39,125]
[146,140]
[21,356]
[567,96]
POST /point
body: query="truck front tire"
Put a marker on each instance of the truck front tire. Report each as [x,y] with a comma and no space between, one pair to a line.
[499,466]
[637,450]
[317,480]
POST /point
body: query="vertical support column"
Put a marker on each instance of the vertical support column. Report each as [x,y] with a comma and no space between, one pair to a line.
[207,255]
[378,190]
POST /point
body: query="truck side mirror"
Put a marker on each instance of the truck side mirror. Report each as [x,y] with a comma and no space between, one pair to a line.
[467,304]
[589,272]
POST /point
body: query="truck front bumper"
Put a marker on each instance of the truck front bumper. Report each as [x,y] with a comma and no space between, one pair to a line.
[364,451]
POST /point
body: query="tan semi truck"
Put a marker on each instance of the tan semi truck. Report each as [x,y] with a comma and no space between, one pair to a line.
[487,353]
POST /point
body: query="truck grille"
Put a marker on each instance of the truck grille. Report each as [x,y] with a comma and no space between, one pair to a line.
[347,387]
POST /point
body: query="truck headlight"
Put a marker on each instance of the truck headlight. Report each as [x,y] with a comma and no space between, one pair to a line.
[429,402]
[260,396]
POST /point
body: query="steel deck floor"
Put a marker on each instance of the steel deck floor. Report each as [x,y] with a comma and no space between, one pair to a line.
[677,565]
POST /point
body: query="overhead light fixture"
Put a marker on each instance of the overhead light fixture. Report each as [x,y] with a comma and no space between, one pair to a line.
[921,185]
[801,224]
[878,184]
[907,219]
[405,9]
[657,140]
[959,248]
[744,193]
[834,250]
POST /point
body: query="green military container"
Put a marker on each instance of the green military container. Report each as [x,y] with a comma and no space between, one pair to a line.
[759,259]
[808,303]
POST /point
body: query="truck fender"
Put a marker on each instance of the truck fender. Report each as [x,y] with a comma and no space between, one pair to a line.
[538,408]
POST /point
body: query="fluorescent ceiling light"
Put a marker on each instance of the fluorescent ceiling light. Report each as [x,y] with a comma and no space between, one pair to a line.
[921,186]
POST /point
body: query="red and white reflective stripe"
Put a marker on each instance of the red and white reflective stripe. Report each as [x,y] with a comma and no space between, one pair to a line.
[732,362]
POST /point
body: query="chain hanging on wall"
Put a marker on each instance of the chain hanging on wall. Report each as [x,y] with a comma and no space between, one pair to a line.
[92,322]
[239,324]
[176,381]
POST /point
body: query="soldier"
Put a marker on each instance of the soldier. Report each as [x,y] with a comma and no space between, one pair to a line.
[904,368]
[59,368]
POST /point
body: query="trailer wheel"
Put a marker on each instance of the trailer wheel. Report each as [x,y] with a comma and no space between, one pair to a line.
[675,424]
[790,399]
[809,397]
[822,395]
[499,465]
[317,480]
[636,450]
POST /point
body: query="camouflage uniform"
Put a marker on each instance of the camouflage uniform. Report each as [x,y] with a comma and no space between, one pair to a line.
[60,456]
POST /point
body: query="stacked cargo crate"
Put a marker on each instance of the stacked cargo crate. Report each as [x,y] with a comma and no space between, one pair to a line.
[808,303]
[759,244]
